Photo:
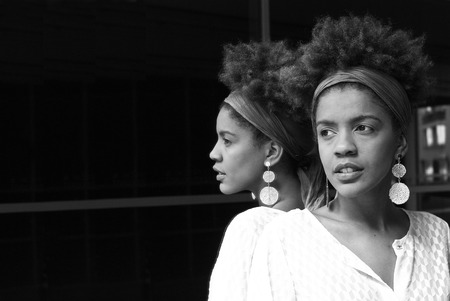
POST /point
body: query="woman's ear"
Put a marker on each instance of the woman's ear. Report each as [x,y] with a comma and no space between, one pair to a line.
[274,153]
[402,148]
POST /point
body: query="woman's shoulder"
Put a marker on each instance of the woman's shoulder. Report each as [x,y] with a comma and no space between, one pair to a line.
[425,217]
[295,222]
[245,228]
[426,222]
[295,215]
[253,218]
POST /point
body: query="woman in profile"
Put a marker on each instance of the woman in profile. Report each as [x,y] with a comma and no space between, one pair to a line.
[364,76]
[265,146]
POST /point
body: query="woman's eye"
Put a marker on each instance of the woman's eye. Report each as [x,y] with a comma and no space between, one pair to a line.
[226,141]
[325,133]
[364,128]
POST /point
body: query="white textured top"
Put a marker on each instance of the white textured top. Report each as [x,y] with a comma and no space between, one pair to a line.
[298,259]
[230,273]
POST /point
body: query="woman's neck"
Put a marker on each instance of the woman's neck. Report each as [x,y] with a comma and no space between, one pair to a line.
[289,193]
[348,218]
[372,208]
[375,214]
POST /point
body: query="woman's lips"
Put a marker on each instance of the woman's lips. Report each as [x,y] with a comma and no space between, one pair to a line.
[348,176]
[220,175]
[347,172]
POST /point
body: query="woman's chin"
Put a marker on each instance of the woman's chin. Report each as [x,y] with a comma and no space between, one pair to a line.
[227,190]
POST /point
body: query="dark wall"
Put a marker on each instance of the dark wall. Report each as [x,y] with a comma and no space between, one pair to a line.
[113,100]
[159,253]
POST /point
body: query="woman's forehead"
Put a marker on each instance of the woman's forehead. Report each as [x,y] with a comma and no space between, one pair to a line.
[338,103]
[227,122]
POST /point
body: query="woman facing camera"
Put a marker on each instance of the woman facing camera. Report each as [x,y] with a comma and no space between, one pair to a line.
[265,146]
[361,245]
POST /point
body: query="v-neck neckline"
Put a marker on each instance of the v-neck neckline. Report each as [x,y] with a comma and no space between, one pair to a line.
[353,260]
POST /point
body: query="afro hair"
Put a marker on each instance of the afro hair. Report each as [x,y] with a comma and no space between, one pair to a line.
[351,41]
[255,69]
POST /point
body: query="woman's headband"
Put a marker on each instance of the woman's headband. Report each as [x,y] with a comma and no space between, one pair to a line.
[387,88]
[289,134]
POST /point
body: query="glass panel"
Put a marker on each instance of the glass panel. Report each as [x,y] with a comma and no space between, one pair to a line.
[117,99]
[433,149]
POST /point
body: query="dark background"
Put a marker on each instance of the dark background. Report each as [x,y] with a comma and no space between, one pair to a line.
[117,100]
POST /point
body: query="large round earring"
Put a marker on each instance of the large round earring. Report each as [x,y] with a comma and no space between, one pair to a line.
[268,195]
[399,192]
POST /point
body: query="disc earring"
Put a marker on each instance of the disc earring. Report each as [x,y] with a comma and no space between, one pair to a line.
[268,195]
[399,192]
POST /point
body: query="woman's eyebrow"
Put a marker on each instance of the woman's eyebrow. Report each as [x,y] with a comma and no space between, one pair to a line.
[327,122]
[226,132]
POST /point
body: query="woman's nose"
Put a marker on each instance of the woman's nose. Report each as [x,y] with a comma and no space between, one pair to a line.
[214,154]
[345,145]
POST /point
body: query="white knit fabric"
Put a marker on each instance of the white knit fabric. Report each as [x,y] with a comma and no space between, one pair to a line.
[296,258]
[229,277]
